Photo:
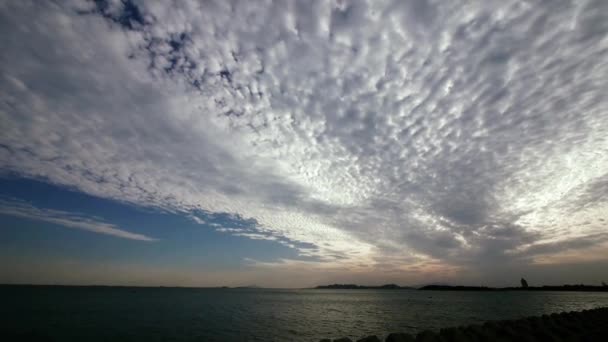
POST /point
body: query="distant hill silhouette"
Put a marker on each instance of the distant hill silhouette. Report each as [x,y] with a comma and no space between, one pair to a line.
[580,287]
[363,287]
[456,288]
[247,287]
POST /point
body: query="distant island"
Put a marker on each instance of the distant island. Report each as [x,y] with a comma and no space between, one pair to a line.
[364,287]
[524,287]
[580,287]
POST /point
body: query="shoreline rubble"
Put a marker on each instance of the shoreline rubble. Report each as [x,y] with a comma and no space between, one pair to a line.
[586,325]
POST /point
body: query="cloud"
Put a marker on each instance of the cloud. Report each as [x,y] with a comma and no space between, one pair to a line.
[18,208]
[404,131]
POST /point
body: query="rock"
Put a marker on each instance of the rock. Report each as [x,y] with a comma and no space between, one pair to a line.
[400,337]
[588,325]
[427,336]
[343,339]
[453,334]
[325,340]
[476,332]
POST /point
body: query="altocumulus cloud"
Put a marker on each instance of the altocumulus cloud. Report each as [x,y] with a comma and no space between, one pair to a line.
[387,133]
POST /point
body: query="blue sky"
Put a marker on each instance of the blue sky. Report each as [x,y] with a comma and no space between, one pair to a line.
[176,240]
[297,143]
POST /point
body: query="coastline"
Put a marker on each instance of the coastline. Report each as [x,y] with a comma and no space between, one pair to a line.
[566,287]
[580,288]
[586,325]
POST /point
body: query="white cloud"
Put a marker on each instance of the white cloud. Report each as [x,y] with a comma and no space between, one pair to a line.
[409,130]
[18,208]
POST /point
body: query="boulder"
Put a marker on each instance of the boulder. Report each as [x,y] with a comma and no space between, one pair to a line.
[427,336]
[400,337]
[343,339]
[372,338]
[453,334]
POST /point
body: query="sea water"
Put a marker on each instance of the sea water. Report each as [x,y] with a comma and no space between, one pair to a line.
[187,314]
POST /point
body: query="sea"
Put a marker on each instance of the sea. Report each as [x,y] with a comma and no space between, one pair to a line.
[56,313]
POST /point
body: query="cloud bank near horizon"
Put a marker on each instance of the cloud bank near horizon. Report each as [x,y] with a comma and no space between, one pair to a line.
[372,135]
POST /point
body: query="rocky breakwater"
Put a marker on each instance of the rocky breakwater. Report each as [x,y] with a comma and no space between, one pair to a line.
[587,325]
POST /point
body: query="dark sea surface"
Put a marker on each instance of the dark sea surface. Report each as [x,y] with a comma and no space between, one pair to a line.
[184,314]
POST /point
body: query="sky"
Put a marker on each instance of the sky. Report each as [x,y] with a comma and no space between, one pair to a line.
[298,143]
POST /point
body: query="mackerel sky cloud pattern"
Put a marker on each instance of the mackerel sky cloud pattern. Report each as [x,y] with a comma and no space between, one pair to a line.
[384,135]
